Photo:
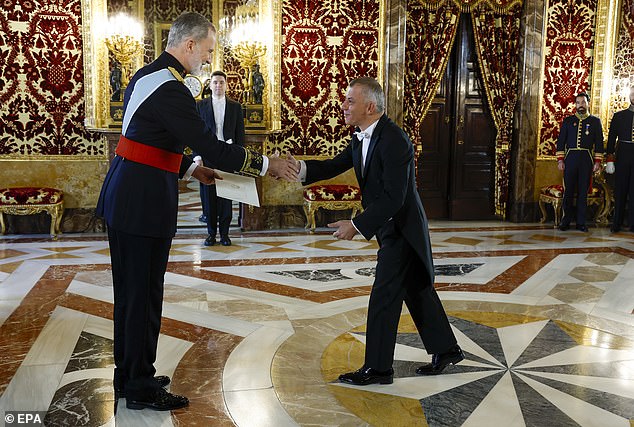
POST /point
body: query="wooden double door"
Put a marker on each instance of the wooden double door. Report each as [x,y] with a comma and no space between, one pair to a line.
[456,168]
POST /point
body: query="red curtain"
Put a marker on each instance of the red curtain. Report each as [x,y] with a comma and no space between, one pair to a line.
[430,35]
[497,43]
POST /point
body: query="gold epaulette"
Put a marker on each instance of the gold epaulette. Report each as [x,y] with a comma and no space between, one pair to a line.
[253,163]
[175,73]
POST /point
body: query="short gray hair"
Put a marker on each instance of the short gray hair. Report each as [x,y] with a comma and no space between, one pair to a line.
[372,91]
[189,25]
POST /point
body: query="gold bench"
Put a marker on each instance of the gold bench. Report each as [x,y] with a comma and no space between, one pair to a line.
[30,201]
[331,197]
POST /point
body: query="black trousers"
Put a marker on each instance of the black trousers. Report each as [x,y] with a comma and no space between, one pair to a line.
[138,269]
[577,174]
[624,184]
[400,277]
[219,211]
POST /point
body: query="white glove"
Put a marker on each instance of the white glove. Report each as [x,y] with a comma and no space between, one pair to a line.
[198,160]
[609,167]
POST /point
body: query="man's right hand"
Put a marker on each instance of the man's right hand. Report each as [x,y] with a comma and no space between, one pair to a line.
[283,168]
[560,165]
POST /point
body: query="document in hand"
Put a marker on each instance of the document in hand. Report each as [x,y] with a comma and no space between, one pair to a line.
[237,187]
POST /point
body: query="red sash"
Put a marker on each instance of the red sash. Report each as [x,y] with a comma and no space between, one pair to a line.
[148,155]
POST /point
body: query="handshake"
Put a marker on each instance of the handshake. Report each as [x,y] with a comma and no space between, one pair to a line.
[285,168]
[279,168]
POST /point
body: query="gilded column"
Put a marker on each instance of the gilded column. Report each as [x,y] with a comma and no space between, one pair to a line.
[395,19]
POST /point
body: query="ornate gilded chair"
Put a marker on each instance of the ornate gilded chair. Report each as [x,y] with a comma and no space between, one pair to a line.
[600,195]
[30,201]
[332,197]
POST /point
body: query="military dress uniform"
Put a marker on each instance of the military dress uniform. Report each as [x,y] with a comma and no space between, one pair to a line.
[580,143]
[621,148]
[139,202]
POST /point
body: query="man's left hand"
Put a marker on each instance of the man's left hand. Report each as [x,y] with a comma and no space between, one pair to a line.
[345,229]
[206,175]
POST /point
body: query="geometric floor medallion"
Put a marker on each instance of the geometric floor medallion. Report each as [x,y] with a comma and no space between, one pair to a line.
[519,370]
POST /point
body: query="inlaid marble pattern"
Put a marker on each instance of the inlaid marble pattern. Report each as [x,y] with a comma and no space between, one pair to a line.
[257,335]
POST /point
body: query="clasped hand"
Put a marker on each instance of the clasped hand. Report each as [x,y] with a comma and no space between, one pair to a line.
[287,169]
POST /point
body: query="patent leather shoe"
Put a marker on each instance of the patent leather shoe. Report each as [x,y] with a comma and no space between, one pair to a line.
[161,400]
[203,218]
[564,227]
[615,228]
[440,361]
[582,227]
[225,241]
[210,240]
[366,376]
[161,380]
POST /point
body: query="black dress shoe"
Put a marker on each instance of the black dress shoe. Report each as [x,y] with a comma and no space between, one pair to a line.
[366,376]
[564,227]
[161,380]
[615,229]
[203,218]
[582,227]
[210,240]
[161,400]
[225,241]
[440,362]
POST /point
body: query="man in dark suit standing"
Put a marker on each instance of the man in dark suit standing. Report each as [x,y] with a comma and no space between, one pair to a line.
[579,153]
[621,142]
[224,117]
[383,159]
[139,200]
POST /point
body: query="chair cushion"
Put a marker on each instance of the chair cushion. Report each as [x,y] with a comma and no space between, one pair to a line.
[338,192]
[30,196]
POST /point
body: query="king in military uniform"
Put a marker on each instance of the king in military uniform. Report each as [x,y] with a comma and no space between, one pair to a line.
[579,154]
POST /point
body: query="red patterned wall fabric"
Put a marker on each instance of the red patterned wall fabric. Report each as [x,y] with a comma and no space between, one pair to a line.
[624,57]
[325,44]
[430,37]
[41,80]
[497,40]
[567,64]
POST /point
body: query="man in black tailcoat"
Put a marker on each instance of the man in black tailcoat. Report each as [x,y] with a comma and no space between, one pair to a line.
[383,159]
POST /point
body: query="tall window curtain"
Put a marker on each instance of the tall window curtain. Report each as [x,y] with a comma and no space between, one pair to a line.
[431,30]
[497,39]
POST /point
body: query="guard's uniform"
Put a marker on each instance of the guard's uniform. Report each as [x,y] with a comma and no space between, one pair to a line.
[139,201]
[580,143]
[621,142]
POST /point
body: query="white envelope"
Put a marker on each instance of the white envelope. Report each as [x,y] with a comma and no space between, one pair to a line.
[237,187]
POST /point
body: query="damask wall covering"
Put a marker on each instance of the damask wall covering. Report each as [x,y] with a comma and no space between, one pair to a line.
[41,80]
[325,44]
[567,64]
[624,58]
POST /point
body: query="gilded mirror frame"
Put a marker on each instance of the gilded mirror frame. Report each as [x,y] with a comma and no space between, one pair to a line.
[96,59]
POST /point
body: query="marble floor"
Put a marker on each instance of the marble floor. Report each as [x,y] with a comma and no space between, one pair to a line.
[255,334]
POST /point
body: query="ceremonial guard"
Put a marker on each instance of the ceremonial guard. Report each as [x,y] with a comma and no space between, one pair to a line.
[621,142]
[579,153]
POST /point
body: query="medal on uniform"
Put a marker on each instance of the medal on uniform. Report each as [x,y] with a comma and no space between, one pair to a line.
[588,129]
